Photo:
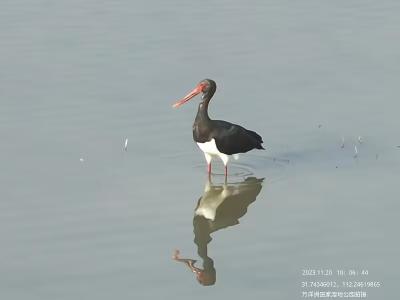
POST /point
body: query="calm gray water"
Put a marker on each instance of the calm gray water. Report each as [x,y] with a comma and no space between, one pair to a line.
[82,219]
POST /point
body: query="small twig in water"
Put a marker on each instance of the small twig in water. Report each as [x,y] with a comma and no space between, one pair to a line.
[360,139]
[355,151]
[274,159]
[342,142]
[126,145]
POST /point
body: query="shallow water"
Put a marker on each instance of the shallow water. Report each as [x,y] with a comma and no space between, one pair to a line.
[80,218]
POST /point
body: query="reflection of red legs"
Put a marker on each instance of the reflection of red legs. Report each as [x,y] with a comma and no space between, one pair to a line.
[226,171]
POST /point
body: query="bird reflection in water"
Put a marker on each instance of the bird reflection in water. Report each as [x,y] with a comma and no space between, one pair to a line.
[220,206]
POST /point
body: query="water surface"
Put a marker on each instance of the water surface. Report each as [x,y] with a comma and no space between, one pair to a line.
[80,218]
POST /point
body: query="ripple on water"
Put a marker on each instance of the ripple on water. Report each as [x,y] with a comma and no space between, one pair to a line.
[273,169]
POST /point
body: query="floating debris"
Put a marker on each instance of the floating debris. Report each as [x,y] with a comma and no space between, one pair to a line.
[355,151]
[81,159]
[274,159]
[342,146]
[360,139]
[126,145]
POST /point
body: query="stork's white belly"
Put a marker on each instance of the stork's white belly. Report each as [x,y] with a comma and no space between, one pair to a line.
[210,148]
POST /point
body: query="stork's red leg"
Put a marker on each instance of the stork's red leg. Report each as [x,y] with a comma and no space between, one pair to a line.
[209,168]
[226,171]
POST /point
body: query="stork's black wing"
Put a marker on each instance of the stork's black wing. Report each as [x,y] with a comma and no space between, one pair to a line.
[231,138]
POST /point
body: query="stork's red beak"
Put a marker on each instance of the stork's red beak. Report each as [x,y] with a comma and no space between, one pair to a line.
[197,90]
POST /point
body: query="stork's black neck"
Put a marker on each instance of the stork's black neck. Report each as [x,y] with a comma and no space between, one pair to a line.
[202,112]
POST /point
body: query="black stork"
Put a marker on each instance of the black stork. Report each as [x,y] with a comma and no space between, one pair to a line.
[216,137]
